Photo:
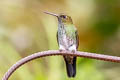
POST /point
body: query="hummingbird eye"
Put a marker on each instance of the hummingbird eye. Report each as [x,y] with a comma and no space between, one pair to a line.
[63,16]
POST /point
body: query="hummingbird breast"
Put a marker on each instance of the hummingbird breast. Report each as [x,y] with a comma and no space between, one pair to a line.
[65,40]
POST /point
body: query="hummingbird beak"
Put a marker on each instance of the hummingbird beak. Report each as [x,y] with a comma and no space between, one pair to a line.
[51,14]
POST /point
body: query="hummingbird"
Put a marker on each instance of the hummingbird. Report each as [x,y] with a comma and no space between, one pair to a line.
[67,38]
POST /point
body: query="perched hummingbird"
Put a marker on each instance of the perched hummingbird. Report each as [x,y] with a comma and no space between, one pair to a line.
[67,38]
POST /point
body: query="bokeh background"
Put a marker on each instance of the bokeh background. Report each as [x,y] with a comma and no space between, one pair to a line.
[25,29]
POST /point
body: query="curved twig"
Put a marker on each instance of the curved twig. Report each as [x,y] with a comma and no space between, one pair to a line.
[56,52]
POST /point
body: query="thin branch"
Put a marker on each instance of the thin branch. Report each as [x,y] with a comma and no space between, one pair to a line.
[56,52]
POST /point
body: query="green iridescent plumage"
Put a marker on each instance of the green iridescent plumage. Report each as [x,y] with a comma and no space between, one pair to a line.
[70,31]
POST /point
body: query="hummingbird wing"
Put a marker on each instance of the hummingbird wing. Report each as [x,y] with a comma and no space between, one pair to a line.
[77,40]
[57,38]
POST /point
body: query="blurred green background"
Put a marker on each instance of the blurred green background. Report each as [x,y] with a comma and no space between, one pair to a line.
[25,29]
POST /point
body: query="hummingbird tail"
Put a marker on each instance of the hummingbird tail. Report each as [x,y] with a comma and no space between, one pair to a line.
[71,68]
[74,67]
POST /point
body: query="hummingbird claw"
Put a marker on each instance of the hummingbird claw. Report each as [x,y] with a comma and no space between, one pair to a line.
[73,51]
[60,50]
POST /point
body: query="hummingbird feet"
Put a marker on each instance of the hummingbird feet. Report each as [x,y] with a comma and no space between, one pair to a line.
[60,50]
[73,51]
[72,48]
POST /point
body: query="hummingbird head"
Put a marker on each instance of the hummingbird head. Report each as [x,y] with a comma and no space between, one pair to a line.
[65,19]
[62,18]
